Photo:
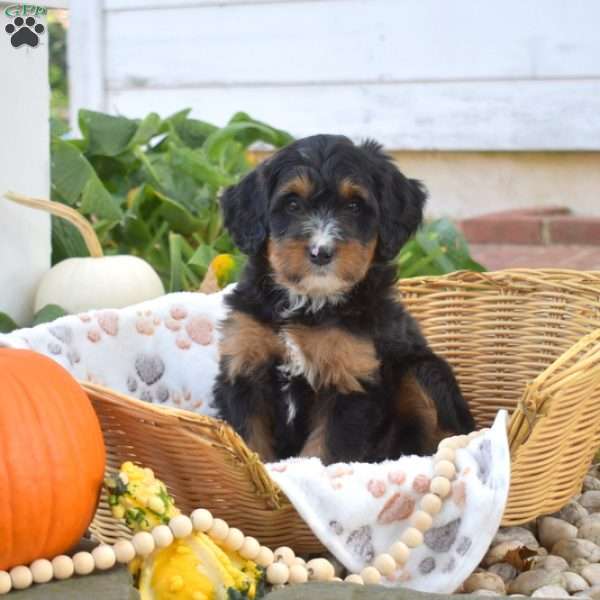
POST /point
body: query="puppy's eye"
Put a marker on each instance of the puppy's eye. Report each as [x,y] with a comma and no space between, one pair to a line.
[353,207]
[293,206]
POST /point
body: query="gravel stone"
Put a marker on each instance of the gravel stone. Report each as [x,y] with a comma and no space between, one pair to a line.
[520,534]
[593,593]
[590,483]
[550,591]
[592,574]
[552,530]
[486,593]
[504,570]
[526,583]
[591,500]
[590,529]
[572,549]
[572,513]
[550,563]
[574,582]
[484,581]
[497,553]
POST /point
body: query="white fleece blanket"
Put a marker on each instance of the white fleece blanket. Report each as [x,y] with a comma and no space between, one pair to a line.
[165,351]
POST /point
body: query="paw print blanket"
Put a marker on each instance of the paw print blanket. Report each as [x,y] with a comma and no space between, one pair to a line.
[165,351]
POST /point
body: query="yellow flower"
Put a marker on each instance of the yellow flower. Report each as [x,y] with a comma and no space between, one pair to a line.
[223,265]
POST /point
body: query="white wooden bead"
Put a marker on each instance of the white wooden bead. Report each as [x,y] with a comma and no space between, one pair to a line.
[143,542]
[219,530]
[320,569]
[234,539]
[337,579]
[445,469]
[104,557]
[181,526]
[460,441]
[445,454]
[5,583]
[446,443]
[385,564]
[278,573]
[124,551]
[440,486]
[163,536]
[41,570]
[400,551]
[431,503]
[285,554]
[298,574]
[21,577]
[421,520]
[299,561]
[412,537]
[250,548]
[202,519]
[265,557]
[63,567]
[370,575]
[83,563]
[356,579]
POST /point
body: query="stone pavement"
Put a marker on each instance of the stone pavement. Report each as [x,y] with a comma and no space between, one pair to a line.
[508,256]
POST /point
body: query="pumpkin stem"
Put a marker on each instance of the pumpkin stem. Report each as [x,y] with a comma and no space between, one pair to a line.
[64,212]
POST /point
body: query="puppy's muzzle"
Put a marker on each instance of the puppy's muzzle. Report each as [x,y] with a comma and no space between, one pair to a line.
[321,255]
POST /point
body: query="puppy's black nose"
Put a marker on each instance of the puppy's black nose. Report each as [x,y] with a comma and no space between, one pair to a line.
[320,255]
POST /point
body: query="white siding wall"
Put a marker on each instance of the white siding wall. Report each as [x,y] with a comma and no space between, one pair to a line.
[416,74]
[25,168]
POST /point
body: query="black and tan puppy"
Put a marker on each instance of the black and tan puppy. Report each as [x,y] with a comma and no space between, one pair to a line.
[318,357]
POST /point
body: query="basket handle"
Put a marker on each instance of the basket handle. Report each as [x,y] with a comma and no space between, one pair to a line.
[539,395]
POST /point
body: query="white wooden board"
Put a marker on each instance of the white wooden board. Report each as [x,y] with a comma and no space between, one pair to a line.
[457,116]
[362,41]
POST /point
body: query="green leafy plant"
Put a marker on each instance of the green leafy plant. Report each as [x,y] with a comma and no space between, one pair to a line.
[438,247]
[50,312]
[150,188]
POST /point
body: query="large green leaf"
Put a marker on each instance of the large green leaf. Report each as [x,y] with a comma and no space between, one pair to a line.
[180,219]
[7,324]
[97,201]
[106,134]
[74,179]
[147,129]
[203,255]
[66,241]
[48,313]
[195,164]
[70,170]
[247,132]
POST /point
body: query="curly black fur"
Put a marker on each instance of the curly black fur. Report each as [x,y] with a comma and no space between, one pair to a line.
[369,425]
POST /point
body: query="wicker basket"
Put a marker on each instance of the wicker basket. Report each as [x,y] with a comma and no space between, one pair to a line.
[524,340]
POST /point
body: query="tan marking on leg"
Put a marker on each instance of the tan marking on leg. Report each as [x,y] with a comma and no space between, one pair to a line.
[315,445]
[247,344]
[334,357]
[413,401]
[260,438]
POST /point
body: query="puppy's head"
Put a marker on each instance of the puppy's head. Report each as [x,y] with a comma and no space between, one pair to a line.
[324,209]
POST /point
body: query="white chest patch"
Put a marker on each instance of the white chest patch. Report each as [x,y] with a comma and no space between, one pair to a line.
[295,364]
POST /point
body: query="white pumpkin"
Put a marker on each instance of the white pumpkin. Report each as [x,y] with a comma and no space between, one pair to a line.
[97,281]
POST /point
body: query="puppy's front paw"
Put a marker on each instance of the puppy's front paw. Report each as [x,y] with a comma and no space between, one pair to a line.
[247,345]
[329,357]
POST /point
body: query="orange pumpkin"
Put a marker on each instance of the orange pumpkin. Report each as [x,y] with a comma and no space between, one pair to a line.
[51,458]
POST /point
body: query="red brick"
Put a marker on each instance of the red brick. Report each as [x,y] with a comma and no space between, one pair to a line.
[574,230]
[536,211]
[504,229]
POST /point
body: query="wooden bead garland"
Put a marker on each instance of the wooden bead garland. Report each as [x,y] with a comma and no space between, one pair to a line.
[282,566]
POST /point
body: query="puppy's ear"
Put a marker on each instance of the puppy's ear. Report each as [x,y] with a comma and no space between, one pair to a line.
[244,207]
[401,202]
